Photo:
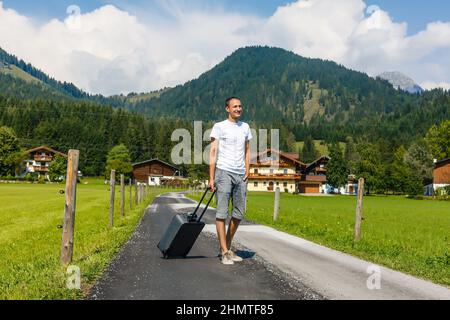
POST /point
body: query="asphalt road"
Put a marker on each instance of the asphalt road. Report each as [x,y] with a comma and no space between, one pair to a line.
[140,272]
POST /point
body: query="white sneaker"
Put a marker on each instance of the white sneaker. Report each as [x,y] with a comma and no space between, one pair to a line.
[226,258]
[234,256]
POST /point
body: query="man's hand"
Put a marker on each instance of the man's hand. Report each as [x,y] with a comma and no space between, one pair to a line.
[211,185]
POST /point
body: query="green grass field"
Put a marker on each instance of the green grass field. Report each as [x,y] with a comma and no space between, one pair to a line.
[412,236]
[30,240]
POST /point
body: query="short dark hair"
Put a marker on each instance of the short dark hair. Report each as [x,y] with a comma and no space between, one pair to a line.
[227,101]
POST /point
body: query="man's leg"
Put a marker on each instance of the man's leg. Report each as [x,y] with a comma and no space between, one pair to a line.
[239,192]
[232,227]
[220,227]
[223,185]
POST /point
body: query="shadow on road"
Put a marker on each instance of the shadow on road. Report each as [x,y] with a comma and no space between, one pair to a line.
[245,254]
[187,258]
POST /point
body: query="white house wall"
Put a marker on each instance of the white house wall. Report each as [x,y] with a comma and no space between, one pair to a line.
[266,170]
[261,187]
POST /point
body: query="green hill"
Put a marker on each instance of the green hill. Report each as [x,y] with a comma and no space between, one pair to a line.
[302,96]
[12,70]
[279,89]
[320,145]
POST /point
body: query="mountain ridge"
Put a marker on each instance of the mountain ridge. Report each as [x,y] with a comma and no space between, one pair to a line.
[401,81]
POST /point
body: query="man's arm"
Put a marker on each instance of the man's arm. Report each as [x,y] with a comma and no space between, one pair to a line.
[247,160]
[212,162]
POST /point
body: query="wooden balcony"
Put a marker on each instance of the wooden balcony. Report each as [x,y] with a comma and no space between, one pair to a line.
[271,164]
[275,176]
[40,168]
[317,178]
[45,158]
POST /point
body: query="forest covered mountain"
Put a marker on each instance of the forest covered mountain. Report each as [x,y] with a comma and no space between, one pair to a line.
[306,96]
[300,96]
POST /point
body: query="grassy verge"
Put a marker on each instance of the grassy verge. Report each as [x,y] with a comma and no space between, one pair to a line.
[411,236]
[30,239]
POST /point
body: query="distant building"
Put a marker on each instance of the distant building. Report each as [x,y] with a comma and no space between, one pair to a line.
[352,185]
[271,169]
[314,176]
[267,173]
[441,177]
[39,160]
[156,172]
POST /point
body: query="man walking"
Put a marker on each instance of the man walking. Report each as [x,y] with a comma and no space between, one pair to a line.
[228,172]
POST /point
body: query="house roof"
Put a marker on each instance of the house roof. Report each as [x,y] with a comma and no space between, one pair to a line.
[309,165]
[294,155]
[154,159]
[46,149]
[288,155]
[443,161]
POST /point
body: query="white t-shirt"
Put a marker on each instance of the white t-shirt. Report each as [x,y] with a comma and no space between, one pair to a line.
[232,137]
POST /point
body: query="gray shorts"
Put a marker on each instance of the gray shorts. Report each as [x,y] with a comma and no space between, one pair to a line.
[228,185]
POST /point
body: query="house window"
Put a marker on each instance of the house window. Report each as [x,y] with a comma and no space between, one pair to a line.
[255,171]
[285,184]
[152,179]
[278,183]
[265,183]
[255,184]
[271,171]
[285,171]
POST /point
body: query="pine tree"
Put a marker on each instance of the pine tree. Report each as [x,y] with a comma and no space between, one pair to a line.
[336,168]
[309,152]
[119,160]
[9,151]
[438,138]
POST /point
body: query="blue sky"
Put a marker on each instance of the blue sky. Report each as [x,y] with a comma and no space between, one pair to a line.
[417,13]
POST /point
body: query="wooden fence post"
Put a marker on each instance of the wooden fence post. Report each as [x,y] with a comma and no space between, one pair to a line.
[136,200]
[359,209]
[276,204]
[143,192]
[112,186]
[69,207]
[122,195]
[131,196]
[140,193]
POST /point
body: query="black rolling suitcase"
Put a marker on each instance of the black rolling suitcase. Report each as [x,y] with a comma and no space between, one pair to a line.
[182,232]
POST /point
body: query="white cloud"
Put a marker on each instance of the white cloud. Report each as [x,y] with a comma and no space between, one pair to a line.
[110,50]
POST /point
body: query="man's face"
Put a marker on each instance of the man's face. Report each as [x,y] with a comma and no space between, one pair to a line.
[234,108]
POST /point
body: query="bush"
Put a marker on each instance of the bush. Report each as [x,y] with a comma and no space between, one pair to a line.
[444,191]
[447,189]
[41,180]
[415,197]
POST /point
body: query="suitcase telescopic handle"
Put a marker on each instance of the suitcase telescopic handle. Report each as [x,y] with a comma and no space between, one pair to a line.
[207,204]
[201,200]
